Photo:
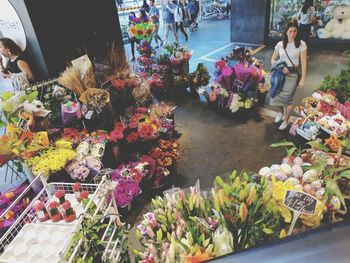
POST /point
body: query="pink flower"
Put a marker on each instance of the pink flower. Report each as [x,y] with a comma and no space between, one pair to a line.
[119,126]
[151,218]
[116,135]
[132,137]
[132,124]
[145,131]
[150,232]
[212,97]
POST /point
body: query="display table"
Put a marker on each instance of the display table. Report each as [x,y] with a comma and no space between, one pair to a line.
[328,244]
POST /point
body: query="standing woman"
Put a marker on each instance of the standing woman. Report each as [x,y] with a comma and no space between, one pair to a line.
[154,14]
[16,63]
[132,38]
[179,19]
[306,17]
[293,52]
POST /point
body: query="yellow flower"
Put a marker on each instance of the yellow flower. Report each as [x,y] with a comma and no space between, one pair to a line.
[314,220]
[283,233]
[279,190]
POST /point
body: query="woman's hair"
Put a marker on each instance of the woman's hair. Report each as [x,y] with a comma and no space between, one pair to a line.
[290,24]
[307,4]
[11,45]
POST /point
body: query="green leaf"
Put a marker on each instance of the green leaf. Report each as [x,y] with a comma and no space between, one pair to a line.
[2,124]
[317,145]
[6,95]
[219,181]
[291,151]
[332,188]
[345,174]
[15,120]
[268,231]
[159,235]
[283,144]
[32,96]
[205,243]
[227,189]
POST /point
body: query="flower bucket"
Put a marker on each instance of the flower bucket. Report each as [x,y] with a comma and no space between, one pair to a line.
[70,111]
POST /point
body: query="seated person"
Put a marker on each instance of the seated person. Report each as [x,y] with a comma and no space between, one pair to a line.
[11,52]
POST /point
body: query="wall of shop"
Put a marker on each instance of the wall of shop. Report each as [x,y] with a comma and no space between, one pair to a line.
[32,51]
[67,29]
[248,21]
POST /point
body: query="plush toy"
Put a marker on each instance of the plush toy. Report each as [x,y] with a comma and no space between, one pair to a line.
[339,26]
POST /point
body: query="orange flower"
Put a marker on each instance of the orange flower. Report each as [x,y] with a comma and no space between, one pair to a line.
[133,30]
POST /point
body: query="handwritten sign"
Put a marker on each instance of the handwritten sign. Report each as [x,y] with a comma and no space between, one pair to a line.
[300,202]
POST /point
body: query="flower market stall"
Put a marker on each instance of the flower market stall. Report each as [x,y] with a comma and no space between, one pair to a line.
[322,112]
[307,190]
[241,82]
[68,133]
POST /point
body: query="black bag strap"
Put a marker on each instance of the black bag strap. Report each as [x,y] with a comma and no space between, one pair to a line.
[295,68]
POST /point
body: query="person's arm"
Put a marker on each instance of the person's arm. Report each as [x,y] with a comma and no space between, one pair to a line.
[274,57]
[1,65]
[24,67]
[303,58]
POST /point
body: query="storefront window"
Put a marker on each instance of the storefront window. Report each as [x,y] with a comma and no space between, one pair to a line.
[284,10]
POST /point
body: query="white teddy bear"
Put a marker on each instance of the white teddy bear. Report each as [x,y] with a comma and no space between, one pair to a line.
[339,26]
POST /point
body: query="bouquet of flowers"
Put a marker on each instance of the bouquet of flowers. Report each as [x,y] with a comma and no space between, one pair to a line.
[53,159]
[141,127]
[200,77]
[183,227]
[21,144]
[94,100]
[178,55]
[126,190]
[166,152]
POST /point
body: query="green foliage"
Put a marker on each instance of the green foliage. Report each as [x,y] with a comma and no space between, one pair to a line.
[339,83]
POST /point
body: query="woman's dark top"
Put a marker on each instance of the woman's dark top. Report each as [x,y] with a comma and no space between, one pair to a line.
[12,65]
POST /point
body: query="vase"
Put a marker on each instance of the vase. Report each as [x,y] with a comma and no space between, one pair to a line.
[261,98]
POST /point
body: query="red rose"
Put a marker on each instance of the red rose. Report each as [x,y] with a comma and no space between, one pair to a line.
[66,205]
[145,131]
[132,137]
[119,126]
[116,135]
[132,124]
[77,187]
[137,176]
[54,205]
[84,194]
[60,194]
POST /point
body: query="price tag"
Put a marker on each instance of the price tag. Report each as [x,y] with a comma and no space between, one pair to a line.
[88,115]
[299,203]
[99,109]
[238,84]
[23,124]
[163,130]
[41,214]
[172,191]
